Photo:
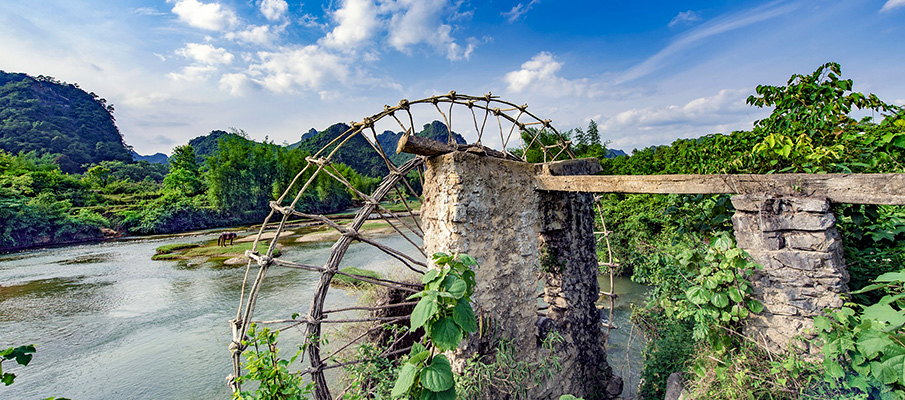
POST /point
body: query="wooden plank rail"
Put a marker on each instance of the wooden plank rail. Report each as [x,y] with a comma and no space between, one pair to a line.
[838,188]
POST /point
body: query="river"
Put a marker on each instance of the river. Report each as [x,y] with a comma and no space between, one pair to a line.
[110,323]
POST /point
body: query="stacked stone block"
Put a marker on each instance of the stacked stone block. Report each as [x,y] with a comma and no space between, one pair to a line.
[796,241]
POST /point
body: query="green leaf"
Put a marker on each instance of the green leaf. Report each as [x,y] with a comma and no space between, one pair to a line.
[455,286]
[416,349]
[438,376]
[891,277]
[417,358]
[429,276]
[868,288]
[468,260]
[885,313]
[754,305]
[424,310]
[464,316]
[871,343]
[882,372]
[720,300]
[445,334]
[407,375]
[822,323]
[896,364]
[697,295]
[735,295]
[449,394]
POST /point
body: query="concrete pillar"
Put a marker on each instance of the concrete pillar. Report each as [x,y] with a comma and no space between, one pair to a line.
[796,242]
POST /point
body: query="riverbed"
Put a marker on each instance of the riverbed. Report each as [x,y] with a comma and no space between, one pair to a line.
[110,323]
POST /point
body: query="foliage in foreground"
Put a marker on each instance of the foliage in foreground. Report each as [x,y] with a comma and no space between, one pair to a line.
[445,313]
[264,366]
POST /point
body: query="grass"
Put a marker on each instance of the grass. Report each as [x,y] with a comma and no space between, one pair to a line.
[354,283]
[237,249]
[165,257]
[169,248]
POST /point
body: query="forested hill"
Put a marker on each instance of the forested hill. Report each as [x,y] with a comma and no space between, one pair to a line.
[47,116]
[358,154]
[207,145]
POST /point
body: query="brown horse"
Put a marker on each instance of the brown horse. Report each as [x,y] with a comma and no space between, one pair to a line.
[226,237]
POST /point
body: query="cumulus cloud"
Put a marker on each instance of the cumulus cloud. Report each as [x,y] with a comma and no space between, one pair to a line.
[357,22]
[892,4]
[684,17]
[210,16]
[414,22]
[274,10]
[539,74]
[304,68]
[193,73]
[263,34]
[206,54]
[236,84]
[724,107]
[519,11]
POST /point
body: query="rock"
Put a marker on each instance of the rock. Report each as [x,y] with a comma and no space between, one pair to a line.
[675,387]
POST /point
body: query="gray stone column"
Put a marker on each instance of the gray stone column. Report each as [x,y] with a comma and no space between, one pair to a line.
[570,269]
[489,208]
[486,208]
[796,242]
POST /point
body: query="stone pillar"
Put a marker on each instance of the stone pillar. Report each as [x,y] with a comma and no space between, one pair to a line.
[489,208]
[569,266]
[486,208]
[796,242]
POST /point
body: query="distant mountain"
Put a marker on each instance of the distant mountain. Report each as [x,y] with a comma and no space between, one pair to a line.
[156,158]
[613,153]
[44,115]
[207,145]
[358,154]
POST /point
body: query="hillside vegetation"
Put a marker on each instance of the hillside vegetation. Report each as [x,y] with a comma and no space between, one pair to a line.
[47,116]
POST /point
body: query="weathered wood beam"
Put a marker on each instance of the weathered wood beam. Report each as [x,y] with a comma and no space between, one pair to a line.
[420,146]
[838,188]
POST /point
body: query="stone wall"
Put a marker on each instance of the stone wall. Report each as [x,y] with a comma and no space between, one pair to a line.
[796,242]
[488,208]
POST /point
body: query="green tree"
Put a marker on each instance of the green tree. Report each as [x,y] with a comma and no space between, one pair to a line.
[184,176]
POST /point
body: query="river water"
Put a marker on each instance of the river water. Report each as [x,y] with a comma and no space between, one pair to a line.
[110,323]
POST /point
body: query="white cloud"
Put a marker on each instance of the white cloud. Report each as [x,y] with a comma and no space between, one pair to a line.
[304,68]
[539,75]
[715,27]
[726,108]
[519,11]
[263,34]
[684,17]
[210,16]
[193,73]
[274,10]
[206,54]
[899,102]
[147,11]
[357,21]
[236,84]
[892,4]
[415,21]
[310,21]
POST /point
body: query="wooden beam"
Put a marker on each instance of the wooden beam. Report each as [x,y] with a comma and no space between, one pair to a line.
[428,147]
[838,188]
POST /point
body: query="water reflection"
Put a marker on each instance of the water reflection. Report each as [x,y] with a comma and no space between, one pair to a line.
[625,346]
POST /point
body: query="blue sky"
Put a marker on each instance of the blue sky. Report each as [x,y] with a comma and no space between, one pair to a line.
[647,72]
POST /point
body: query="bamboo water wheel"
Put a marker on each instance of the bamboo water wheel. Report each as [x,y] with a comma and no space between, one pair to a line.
[516,133]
